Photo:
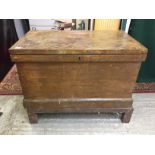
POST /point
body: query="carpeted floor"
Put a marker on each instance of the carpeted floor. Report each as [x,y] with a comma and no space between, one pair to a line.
[14,119]
[11,85]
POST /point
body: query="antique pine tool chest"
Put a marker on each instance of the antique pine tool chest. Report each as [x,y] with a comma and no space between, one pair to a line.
[78,71]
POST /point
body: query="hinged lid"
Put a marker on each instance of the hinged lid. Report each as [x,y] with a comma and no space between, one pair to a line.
[77,42]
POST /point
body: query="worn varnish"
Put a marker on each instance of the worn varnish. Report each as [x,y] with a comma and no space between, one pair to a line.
[78,71]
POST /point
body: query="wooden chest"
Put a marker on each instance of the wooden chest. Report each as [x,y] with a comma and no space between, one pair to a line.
[77,71]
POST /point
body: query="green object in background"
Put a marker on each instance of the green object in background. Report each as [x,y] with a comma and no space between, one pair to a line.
[123,24]
[143,30]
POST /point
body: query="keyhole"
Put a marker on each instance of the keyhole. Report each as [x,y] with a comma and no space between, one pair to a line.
[79,58]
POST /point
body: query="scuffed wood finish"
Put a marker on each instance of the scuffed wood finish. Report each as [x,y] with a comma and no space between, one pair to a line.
[78,71]
[77,42]
[38,104]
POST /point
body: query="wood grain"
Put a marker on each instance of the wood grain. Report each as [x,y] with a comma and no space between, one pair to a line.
[78,58]
[77,42]
[83,80]
[78,71]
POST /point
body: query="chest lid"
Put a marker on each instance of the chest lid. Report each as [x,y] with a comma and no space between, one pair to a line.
[77,42]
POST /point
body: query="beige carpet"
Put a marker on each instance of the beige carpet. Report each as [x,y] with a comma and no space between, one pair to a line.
[14,119]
